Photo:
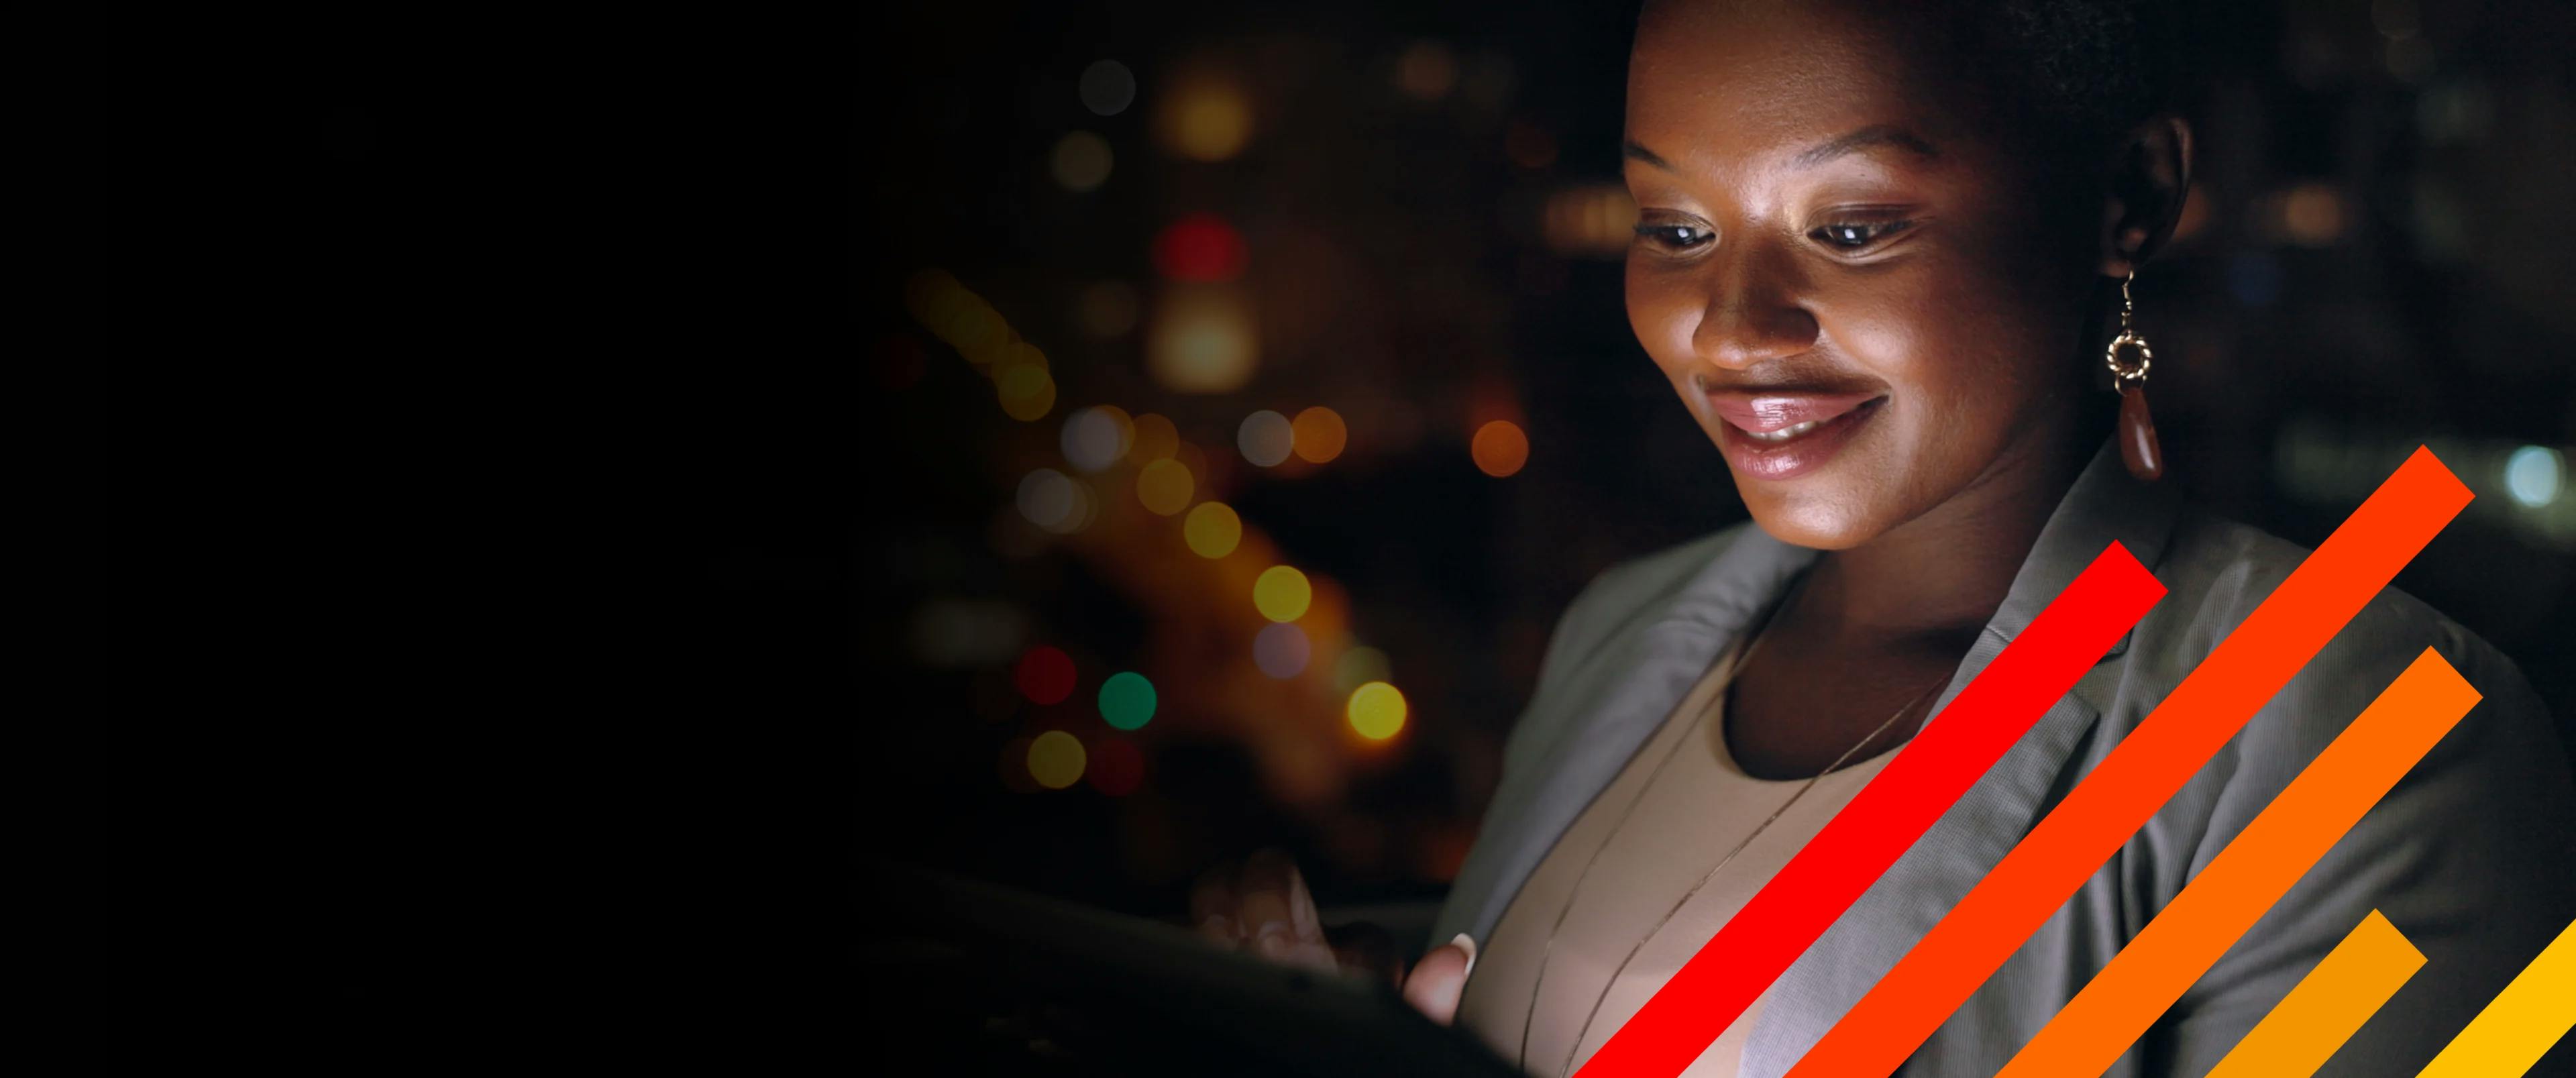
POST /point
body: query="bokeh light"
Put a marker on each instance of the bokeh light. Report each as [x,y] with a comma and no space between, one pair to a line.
[1201,340]
[1046,497]
[1200,247]
[1155,439]
[1127,700]
[1266,437]
[2534,474]
[1598,220]
[1056,759]
[1212,530]
[1044,675]
[1376,710]
[1500,448]
[1107,87]
[1282,593]
[1165,486]
[1086,508]
[1097,437]
[1082,161]
[1359,666]
[1108,310]
[1281,650]
[1117,766]
[1427,70]
[1204,116]
[1321,434]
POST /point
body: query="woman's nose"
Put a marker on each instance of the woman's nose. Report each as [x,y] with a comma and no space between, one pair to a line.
[1753,313]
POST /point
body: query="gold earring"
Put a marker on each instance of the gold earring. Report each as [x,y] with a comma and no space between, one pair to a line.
[2138,447]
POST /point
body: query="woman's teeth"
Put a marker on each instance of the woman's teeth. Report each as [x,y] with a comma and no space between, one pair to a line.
[1784,433]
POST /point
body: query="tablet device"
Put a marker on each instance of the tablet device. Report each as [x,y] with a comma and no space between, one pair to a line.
[987,980]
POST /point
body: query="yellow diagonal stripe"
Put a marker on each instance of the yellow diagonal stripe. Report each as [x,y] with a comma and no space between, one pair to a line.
[2522,1021]
[2327,1006]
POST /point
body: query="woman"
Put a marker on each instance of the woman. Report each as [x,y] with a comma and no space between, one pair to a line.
[1878,250]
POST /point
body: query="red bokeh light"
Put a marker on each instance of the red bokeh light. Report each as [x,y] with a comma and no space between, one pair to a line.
[1117,766]
[1045,675]
[1199,247]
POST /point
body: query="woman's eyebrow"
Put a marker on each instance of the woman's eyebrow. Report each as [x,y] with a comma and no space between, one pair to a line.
[1812,156]
[1873,135]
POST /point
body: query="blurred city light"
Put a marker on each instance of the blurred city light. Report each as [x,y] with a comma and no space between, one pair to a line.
[1320,434]
[1359,666]
[1107,87]
[1212,530]
[1056,759]
[1046,497]
[1155,439]
[1204,116]
[1127,700]
[1116,766]
[1201,340]
[1376,710]
[1044,675]
[1265,437]
[1282,593]
[1165,486]
[1199,248]
[1427,70]
[1281,650]
[1082,161]
[1595,220]
[2534,475]
[1499,448]
[1097,437]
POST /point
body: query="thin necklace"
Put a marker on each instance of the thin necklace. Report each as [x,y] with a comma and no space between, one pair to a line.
[1547,949]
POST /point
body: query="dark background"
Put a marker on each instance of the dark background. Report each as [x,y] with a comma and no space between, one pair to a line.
[2378,255]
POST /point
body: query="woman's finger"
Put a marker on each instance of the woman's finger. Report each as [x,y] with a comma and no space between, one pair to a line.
[1214,908]
[1440,978]
[1277,914]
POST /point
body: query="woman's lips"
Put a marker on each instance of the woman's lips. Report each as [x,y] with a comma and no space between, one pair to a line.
[1779,436]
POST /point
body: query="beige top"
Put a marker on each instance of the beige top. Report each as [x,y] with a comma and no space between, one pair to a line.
[1686,805]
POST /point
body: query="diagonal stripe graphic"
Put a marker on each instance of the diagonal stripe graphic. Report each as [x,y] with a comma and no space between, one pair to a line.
[2520,1024]
[1924,779]
[2327,1006]
[2290,626]
[2248,877]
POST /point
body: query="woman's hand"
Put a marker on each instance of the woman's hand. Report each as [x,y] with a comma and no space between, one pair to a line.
[1262,907]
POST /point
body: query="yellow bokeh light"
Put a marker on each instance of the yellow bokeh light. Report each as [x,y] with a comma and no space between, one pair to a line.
[1212,530]
[1056,757]
[1376,710]
[1027,391]
[1320,434]
[1282,593]
[1082,161]
[1155,439]
[1206,117]
[1165,486]
[1201,340]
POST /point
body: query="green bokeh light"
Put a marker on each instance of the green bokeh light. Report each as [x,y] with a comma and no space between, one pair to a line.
[1127,700]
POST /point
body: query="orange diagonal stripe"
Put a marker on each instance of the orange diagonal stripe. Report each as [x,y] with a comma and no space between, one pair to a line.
[2252,873]
[2327,1006]
[2030,883]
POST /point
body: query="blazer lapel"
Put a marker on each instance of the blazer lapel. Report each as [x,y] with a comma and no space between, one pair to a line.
[2104,506]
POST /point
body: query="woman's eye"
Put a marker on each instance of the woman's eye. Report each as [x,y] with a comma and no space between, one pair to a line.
[1852,237]
[1674,237]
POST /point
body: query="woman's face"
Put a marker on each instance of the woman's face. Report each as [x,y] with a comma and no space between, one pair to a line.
[1842,267]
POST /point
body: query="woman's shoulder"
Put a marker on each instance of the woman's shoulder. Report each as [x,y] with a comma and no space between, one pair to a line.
[2218,571]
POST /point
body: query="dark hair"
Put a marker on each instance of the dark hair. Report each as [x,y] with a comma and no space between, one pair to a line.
[2084,70]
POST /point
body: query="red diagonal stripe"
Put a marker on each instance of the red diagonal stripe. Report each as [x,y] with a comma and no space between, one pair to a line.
[1894,810]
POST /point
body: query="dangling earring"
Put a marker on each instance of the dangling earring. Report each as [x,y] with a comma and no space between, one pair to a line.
[2138,447]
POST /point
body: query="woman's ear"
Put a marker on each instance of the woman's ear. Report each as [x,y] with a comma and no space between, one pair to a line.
[2150,176]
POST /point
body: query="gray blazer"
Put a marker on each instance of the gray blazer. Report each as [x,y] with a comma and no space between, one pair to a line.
[2471,855]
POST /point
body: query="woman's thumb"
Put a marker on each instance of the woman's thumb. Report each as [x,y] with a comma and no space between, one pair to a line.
[1440,978]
